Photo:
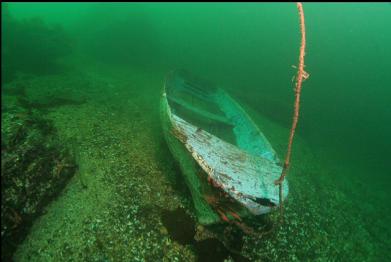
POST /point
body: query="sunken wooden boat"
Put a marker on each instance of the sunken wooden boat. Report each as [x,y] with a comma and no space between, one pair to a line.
[227,163]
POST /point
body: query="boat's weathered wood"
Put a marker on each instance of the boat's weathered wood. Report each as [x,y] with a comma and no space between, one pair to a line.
[190,168]
[248,136]
[244,176]
[199,111]
[206,128]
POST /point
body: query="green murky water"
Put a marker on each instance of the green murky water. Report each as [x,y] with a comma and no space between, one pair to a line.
[84,80]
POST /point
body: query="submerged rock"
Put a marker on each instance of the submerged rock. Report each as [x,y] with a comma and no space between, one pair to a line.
[181,228]
[34,168]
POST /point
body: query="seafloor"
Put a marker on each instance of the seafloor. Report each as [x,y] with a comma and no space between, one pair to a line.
[116,207]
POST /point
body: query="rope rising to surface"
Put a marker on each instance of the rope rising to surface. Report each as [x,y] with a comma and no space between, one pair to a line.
[301,76]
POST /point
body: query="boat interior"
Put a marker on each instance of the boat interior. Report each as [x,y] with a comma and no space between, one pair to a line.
[193,99]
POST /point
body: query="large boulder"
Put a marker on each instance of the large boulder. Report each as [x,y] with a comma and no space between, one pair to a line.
[35,167]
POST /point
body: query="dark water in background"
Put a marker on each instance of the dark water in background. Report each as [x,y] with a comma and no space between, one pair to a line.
[249,49]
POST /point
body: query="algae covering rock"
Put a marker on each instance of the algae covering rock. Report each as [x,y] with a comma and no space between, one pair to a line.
[34,168]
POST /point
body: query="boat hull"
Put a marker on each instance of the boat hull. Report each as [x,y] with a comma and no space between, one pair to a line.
[227,180]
